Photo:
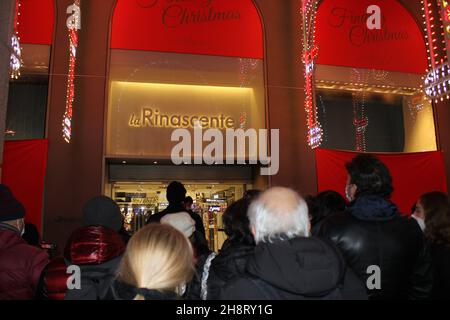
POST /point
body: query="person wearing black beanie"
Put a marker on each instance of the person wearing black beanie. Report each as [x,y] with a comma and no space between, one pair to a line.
[96,247]
[102,211]
[21,265]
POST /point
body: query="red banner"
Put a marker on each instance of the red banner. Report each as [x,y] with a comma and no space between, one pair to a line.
[212,27]
[413,174]
[24,166]
[36,21]
[344,38]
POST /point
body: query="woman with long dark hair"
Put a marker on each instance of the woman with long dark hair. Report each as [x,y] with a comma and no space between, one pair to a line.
[216,270]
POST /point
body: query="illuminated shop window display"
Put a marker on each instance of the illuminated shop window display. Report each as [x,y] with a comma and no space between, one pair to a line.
[139,201]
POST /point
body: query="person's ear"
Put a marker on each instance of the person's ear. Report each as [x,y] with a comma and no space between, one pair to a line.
[19,224]
[253,230]
[353,189]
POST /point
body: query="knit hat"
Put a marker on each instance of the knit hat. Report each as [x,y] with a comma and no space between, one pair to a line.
[102,211]
[181,221]
[10,207]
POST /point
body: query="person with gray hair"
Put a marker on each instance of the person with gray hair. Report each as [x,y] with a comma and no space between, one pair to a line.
[287,263]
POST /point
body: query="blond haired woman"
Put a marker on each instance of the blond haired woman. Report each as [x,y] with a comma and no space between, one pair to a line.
[157,264]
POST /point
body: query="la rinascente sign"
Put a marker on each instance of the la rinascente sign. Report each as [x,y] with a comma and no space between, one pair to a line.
[151,117]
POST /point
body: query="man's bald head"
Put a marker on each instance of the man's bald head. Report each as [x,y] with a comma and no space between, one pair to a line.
[279,213]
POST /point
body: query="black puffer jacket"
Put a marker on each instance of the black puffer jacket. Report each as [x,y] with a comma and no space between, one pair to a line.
[372,233]
[296,269]
[440,255]
[227,265]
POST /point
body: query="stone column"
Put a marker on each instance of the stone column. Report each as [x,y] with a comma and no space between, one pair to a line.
[285,89]
[75,170]
[7,8]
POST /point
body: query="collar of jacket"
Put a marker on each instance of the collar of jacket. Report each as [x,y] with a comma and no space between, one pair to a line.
[372,208]
[93,245]
[175,208]
[5,226]
[128,292]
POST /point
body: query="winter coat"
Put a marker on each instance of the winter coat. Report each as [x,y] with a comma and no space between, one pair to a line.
[21,266]
[227,265]
[97,251]
[295,269]
[373,236]
[440,256]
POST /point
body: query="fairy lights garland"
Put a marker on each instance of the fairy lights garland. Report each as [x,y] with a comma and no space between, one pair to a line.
[437,27]
[360,120]
[16,50]
[310,53]
[73,25]
[245,65]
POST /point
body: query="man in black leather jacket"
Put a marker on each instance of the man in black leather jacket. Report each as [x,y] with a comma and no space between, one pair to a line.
[386,250]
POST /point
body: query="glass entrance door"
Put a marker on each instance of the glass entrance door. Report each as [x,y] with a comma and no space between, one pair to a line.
[138,201]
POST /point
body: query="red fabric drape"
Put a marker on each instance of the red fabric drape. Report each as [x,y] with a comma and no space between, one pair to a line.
[24,166]
[413,174]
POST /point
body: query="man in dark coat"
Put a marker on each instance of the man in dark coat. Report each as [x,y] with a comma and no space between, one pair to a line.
[385,249]
[287,263]
[188,202]
[176,195]
[21,264]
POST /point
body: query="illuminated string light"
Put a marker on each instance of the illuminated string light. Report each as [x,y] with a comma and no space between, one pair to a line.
[73,25]
[310,53]
[360,120]
[16,50]
[438,74]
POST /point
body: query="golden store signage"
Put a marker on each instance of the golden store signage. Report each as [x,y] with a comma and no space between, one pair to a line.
[152,117]
[142,116]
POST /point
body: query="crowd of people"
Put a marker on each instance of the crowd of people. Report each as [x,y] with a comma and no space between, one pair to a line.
[279,246]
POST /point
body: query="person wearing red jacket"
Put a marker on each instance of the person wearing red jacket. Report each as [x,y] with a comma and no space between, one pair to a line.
[21,264]
[96,248]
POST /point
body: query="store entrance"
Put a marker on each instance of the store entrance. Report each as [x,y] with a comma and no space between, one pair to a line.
[138,201]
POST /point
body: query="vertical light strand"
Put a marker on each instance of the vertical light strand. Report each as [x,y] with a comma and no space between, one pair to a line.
[310,53]
[429,30]
[73,24]
[437,81]
[16,50]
